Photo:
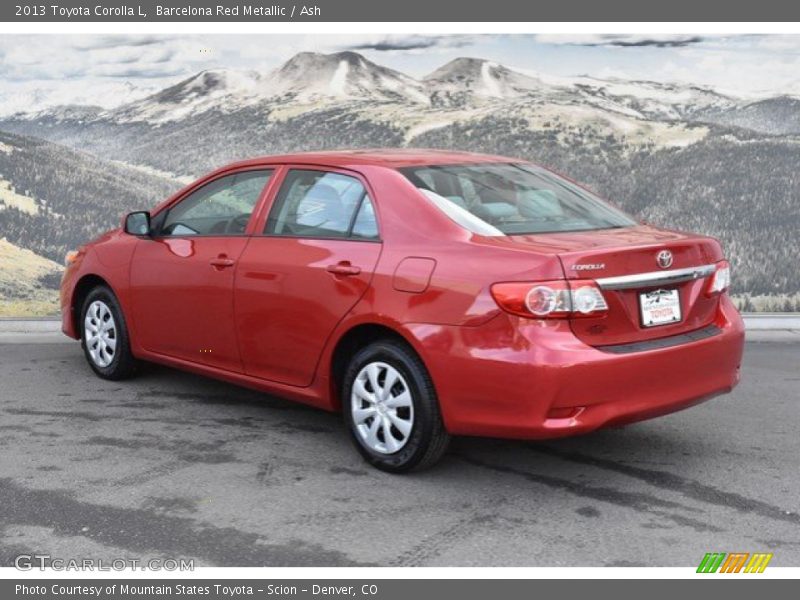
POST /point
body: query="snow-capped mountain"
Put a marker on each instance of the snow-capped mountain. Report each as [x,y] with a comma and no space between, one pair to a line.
[464,89]
[465,80]
[36,97]
[311,80]
[306,78]
[650,99]
[207,90]
[310,76]
[177,129]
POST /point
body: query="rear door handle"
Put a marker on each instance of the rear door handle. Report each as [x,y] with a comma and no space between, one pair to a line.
[221,262]
[343,268]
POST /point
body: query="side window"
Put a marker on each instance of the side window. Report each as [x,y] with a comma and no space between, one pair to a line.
[322,204]
[222,207]
[366,224]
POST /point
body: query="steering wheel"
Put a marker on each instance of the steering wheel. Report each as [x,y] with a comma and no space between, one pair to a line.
[238,223]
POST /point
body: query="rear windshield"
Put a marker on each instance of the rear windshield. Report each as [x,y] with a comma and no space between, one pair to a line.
[513,199]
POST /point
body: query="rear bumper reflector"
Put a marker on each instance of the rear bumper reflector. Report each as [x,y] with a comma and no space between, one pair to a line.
[666,342]
[655,278]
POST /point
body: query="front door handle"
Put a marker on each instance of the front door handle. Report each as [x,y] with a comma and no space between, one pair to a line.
[343,268]
[222,262]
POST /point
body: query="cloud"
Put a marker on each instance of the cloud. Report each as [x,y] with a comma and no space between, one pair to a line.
[87,43]
[672,43]
[76,57]
[387,45]
[140,73]
[623,41]
[414,42]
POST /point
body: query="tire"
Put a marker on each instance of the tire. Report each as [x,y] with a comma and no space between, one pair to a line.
[410,400]
[106,347]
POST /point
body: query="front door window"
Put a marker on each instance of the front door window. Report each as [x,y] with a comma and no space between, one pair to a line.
[222,207]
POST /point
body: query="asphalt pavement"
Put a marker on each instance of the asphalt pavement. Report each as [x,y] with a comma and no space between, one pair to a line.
[173,465]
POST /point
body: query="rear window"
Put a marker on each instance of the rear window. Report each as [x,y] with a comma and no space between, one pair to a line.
[513,199]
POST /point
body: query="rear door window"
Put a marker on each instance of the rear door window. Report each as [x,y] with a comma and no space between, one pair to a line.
[322,204]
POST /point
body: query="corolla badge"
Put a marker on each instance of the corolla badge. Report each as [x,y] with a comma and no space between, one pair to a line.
[664,259]
[589,267]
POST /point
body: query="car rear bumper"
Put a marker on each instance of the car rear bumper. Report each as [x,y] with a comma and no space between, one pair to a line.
[534,379]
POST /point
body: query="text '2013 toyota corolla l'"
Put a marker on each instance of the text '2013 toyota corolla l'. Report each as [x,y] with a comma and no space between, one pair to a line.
[423,293]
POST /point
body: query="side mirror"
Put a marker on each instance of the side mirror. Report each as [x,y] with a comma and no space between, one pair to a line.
[138,223]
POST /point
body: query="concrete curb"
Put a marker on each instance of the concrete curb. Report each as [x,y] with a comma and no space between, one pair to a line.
[771,321]
[772,335]
[767,327]
[30,325]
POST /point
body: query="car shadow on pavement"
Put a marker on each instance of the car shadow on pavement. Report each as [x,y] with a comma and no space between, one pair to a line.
[659,466]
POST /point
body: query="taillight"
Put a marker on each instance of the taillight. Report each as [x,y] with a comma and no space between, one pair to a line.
[720,280]
[550,299]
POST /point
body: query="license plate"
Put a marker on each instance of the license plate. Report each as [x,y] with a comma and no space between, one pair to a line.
[660,307]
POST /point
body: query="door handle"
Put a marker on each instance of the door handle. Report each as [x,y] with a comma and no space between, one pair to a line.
[343,268]
[221,262]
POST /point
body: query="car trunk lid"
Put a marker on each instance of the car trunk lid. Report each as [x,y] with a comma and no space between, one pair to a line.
[624,263]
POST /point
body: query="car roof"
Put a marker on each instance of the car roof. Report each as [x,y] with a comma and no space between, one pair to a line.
[391,158]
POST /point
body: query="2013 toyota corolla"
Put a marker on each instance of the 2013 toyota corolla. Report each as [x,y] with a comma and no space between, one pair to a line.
[423,293]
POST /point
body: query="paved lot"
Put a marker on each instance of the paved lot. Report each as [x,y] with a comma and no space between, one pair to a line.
[174,465]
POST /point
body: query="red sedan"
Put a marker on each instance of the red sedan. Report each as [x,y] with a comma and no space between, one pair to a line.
[424,294]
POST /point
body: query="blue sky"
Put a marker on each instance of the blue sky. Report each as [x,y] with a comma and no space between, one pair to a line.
[38,70]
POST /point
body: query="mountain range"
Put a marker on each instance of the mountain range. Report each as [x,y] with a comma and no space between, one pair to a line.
[685,156]
[348,76]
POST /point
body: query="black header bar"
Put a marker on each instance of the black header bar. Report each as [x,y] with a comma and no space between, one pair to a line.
[399,11]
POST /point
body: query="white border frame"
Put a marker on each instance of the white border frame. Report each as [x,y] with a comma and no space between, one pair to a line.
[443,28]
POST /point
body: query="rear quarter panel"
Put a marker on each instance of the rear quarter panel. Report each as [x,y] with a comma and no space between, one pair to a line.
[463,266]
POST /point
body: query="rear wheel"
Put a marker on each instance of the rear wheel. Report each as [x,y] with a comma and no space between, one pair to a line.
[104,336]
[391,409]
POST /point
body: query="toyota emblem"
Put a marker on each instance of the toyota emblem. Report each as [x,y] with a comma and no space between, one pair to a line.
[664,259]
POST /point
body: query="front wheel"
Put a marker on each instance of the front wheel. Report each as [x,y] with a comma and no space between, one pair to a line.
[390,407]
[104,336]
